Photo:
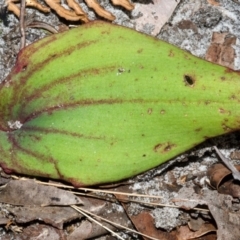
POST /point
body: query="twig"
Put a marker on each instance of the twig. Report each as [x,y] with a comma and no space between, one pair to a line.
[230,166]
[110,222]
[109,192]
[22,24]
[83,212]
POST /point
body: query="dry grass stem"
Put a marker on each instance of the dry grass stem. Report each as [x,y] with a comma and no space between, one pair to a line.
[110,222]
[22,24]
[87,214]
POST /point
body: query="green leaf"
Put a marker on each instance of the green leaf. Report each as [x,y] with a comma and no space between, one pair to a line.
[101,103]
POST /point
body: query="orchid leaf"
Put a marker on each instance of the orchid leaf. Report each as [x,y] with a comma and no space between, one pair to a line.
[101,103]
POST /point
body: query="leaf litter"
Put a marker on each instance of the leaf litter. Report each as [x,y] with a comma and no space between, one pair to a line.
[40,217]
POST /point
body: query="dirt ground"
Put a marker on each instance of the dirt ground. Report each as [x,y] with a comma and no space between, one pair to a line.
[186,206]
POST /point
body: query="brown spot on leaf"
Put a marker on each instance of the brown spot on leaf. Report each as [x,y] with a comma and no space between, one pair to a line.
[162,111]
[171,54]
[158,147]
[226,126]
[233,97]
[223,111]
[198,129]
[149,111]
[164,147]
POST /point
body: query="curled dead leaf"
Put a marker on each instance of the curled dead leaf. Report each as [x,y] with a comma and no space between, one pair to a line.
[33,194]
[221,179]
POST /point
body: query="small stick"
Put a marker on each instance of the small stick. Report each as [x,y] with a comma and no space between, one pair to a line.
[95,221]
[81,210]
[22,24]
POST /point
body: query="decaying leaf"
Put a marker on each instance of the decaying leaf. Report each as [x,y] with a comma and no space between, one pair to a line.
[41,231]
[88,229]
[55,216]
[186,234]
[220,206]
[81,108]
[221,179]
[3,219]
[33,194]
[144,223]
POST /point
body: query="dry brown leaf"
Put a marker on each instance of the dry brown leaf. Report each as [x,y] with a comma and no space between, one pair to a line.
[29,193]
[3,219]
[144,223]
[39,232]
[221,179]
[195,224]
[220,206]
[55,216]
[112,213]
[231,188]
[235,155]
[217,173]
[88,230]
[186,234]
